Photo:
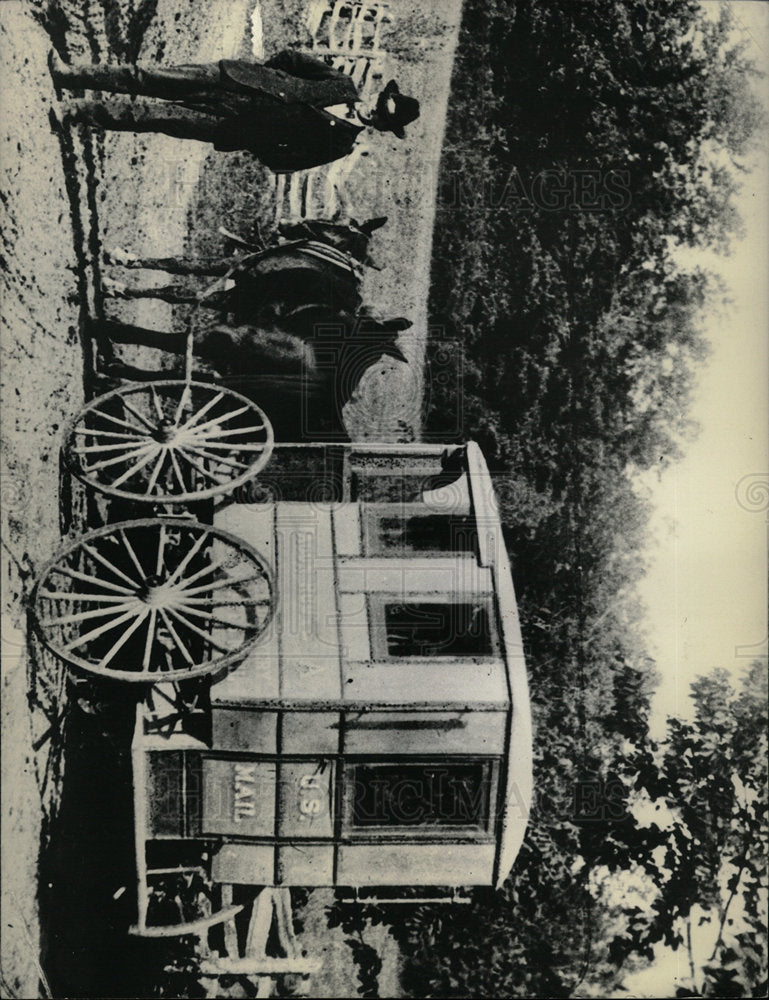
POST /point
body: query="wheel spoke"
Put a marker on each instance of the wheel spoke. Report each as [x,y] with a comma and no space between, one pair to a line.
[161,550]
[156,404]
[190,555]
[215,421]
[183,400]
[202,411]
[86,578]
[198,631]
[109,655]
[177,470]
[128,455]
[81,616]
[150,639]
[142,419]
[248,627]
[207,588]
[230,433]
[182,588]
[228,462]
[213,603]
[234,447]
[95,633]
[95,554]
[88,449]
[59,595]
[132,554]
[129,473]
[156,472]
[174,635]
[87,431]
[139,431]
[183,453]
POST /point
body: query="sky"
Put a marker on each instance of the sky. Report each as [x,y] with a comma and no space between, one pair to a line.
[706,591]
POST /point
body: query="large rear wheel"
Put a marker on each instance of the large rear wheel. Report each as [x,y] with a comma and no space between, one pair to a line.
[153,600]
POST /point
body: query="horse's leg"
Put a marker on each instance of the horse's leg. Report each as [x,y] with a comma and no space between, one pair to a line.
[171,265]
[125,333]
[175,294]
[119,369]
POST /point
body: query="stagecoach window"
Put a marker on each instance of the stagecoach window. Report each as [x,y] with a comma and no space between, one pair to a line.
[382,486]
[449,795]
[391,530]
[433,628]
[407,478]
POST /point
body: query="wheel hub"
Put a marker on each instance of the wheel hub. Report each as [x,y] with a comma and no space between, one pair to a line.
[154,592]
[166,432]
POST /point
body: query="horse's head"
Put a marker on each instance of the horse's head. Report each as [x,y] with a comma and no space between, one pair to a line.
[345,346]
[303,368]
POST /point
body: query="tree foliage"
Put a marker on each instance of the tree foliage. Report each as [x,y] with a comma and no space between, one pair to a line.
[587,144]
[587,141]
[710,774]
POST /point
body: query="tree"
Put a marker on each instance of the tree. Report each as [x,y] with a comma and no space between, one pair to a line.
[710,775]
[586,143]
[562,208]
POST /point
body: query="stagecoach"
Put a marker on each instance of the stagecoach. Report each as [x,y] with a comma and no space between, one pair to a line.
[333,687]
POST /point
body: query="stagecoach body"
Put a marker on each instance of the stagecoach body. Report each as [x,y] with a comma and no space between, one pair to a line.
[378,733]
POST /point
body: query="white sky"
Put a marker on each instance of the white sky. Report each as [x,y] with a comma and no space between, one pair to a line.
[706,591]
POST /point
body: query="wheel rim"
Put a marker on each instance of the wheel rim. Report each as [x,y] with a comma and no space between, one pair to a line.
[153,600]
[168,441]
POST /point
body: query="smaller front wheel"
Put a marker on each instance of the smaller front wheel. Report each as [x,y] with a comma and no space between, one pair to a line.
[168,442]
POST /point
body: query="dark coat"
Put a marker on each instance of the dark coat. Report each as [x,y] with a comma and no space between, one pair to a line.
[293,78]
[283,123]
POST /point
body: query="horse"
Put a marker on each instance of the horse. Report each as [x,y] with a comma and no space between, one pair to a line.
[301,370]
[311,262]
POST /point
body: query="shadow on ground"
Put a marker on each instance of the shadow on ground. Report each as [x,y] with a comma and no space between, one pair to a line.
[87,894]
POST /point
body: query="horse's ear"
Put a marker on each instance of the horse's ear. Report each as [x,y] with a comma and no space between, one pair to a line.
[367,326]
[397,324]
[371,225]
[393,351]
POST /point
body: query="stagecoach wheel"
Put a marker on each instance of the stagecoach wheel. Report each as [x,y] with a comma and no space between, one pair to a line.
[171,441]
[153,600]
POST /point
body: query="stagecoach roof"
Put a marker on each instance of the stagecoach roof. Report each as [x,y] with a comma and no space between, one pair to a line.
[518,787]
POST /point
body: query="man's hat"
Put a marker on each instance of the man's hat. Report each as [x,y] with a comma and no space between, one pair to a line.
[394,110]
